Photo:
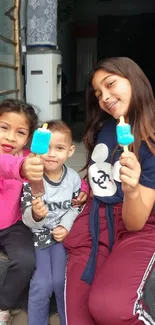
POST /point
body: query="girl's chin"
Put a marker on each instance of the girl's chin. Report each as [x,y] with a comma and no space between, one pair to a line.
[2,152]
[117,116]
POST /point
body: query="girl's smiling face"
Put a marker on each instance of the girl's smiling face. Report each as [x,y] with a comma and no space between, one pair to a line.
[112,92]
[14,132]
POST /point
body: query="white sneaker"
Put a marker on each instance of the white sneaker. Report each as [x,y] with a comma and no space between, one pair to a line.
[4,317]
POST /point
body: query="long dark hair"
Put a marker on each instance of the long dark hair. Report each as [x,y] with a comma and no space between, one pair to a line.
[141,110]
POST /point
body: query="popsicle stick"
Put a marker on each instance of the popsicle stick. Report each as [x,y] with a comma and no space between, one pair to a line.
[122,120]
[125,148]
[45,126]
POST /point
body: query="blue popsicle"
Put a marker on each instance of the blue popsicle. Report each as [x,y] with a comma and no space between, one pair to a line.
[39,146]
[124,136]
[41,140]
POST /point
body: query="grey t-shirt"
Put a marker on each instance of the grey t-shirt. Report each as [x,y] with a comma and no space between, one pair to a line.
[58,198]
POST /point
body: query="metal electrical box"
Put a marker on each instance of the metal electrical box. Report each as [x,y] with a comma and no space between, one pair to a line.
[43,83]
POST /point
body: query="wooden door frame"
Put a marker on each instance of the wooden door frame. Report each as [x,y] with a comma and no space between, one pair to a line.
[13,14]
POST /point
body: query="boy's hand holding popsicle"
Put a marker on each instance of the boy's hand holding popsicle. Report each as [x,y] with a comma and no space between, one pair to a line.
[131,170]
[39,209]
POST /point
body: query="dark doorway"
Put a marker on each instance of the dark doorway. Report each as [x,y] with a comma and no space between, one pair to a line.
[131,36]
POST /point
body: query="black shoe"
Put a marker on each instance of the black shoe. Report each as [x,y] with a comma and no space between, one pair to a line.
[149,294]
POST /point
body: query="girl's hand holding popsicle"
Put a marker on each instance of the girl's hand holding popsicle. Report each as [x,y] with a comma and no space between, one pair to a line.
[32,168]
[39,146]
[130,170]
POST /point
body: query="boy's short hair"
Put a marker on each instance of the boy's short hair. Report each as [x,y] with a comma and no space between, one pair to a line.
[60,126]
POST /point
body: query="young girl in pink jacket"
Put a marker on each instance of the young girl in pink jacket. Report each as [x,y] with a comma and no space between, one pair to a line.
[17,124]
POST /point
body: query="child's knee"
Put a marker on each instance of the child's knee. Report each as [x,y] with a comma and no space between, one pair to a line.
[110,307]
[26,262]
[41,288]
[58,285]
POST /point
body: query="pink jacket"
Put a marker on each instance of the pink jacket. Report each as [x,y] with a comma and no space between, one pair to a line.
[10,189]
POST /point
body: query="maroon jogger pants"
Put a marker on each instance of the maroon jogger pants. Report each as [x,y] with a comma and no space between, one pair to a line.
[115,296]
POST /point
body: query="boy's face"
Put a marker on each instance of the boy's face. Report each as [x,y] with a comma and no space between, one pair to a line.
[60,149]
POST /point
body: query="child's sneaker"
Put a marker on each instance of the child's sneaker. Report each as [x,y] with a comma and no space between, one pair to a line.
[15,312]
[4,317]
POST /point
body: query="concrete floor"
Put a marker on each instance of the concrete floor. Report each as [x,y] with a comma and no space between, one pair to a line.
[76,162]
[21,319]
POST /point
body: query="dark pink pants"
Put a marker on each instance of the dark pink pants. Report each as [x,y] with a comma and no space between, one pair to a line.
[115,296]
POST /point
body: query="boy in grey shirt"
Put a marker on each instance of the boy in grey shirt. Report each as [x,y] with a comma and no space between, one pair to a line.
[58,200]
[50,220]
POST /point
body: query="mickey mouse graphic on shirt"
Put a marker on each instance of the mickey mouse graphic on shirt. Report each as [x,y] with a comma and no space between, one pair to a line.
[102,175]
